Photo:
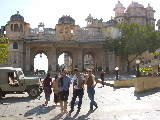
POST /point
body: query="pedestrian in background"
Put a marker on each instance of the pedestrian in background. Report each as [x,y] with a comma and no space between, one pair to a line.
[102,77]
[47,84]
[56,90]
[91,81]
[78,86]
[65,82]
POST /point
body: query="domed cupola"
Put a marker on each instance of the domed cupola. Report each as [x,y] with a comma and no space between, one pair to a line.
[119,5]
[66,20]
[149,7]
[17,17]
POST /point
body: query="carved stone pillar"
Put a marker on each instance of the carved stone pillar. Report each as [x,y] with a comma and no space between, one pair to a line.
[79,57]
[103,63]
[111,60]
[28,52]
[54,60]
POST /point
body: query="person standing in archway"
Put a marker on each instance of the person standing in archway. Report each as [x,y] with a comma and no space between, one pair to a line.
[56,90]
[102,77]
[65,82]
[91,81]
[47,84]
[78,86]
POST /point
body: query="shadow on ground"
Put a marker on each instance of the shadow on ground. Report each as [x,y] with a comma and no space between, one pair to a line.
[146,93]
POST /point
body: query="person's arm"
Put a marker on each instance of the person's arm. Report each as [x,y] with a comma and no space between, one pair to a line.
[73,81]
[59,78]
[96,80]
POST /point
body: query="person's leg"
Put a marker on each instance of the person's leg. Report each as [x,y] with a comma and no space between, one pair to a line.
[48,94]
[55,98]
[93,101]
[45,92]
[91,93]
[73,100]
[61,101]
[80,95]
[66,94]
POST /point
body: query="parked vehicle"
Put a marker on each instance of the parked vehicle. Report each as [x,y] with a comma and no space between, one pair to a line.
[13,81]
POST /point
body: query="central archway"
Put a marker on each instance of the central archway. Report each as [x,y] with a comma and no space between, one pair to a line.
[41,62]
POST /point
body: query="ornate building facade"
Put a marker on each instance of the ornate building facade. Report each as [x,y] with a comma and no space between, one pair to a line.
[83,47]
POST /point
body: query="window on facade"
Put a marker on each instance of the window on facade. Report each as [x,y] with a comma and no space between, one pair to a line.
[41,29]
[15,61]
[66,29]
[15,45]
[21,27]
[11,28]
[16,28]
[60,30]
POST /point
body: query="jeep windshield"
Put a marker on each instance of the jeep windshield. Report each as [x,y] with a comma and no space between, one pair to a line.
[20,74]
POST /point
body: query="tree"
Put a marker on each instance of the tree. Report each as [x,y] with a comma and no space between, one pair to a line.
[4,42]
[134,39]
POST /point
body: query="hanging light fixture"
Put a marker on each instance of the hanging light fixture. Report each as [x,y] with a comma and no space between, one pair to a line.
[40,55]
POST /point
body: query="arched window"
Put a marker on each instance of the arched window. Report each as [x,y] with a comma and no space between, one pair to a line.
[21,27]
[11,27]
[15,45]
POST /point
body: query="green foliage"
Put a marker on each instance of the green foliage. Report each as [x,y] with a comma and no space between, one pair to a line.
[134,39]
[4,42]
[99,68]
[155,53]
[131,40]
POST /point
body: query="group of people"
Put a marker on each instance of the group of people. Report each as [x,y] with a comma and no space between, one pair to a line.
[61,85]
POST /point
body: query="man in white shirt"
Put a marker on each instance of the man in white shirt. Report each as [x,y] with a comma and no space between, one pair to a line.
[78,85]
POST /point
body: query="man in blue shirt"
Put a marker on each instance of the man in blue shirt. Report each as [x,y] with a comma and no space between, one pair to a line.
[65,82]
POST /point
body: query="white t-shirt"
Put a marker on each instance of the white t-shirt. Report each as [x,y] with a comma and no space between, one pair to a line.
[75,78]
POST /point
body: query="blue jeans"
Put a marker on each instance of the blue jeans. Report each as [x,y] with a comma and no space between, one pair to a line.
[91,93]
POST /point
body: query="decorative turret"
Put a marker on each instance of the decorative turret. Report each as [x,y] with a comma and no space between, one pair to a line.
[66,20]
[150,14]
[17,17]
[119,12]
[119,9]
[89,20]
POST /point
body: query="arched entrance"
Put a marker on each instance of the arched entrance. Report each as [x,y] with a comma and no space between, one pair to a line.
[89,60]
[40,62]
[68,61]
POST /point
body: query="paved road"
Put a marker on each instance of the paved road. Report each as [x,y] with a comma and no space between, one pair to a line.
[114,104]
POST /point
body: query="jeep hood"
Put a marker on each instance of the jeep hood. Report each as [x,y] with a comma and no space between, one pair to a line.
[31,80]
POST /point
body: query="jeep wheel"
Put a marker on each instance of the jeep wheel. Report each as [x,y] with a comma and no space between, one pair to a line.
[33,92]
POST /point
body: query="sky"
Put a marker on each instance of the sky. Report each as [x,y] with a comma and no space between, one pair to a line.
[49,12]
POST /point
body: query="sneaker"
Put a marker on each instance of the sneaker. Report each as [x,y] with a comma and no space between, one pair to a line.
[71,110]
[91,108]
[96,106]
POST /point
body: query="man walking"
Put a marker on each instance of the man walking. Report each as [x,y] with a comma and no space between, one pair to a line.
[91,81]
[78,84]
[65,82]
[102,77]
